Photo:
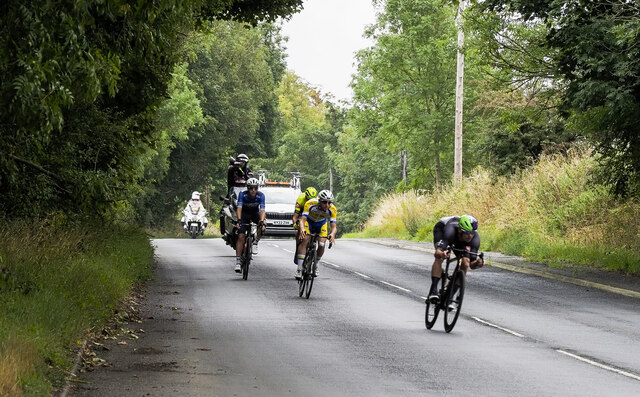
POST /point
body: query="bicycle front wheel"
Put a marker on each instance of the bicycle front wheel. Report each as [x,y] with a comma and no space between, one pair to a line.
[246,258]
[453,303]
[431,314]
[433,309]
[302,285]
[307,273]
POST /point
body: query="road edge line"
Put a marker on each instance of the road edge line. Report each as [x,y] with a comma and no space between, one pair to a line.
[525,270]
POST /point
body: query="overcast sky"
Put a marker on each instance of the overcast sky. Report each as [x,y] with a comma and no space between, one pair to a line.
[323,39]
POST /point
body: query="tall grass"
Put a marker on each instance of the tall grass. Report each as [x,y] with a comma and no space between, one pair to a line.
[57,283]
[551,211]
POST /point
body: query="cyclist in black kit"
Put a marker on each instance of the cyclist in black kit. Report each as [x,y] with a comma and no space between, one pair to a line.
[461,233]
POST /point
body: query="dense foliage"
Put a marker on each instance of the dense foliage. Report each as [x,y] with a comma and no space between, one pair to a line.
[123,108]
[592,47]
[80,88]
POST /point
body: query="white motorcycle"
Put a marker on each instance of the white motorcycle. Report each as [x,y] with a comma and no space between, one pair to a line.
[194,222]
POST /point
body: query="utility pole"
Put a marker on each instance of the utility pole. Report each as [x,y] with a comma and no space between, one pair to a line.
[403,160]
[208,192]
[457,159]
[331,180]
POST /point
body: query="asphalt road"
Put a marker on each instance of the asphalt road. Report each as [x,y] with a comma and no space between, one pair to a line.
[206,332]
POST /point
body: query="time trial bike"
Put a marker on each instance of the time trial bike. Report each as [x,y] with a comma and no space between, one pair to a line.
[450,292]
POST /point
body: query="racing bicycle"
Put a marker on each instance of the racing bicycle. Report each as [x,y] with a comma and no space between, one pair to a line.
[247,249]
[450,293]
[305,283]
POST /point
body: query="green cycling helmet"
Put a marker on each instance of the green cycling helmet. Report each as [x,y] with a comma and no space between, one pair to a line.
[468,223]
[311,192]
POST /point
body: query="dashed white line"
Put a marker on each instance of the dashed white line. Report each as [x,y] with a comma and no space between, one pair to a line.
[395,286]
[608,368]
[329,263]
[275,245]
[289,251]
[362,275]
[498,327]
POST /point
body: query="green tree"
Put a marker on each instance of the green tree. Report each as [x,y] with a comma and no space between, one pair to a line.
[80,83]
[233,77]
[304,136]
[408,79]
[593,47]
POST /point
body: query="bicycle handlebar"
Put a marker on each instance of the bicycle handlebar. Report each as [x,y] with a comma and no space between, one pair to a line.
[454,250]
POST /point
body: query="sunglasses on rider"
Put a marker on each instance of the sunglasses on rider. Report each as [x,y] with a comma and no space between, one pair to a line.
[325,202]
[253,188]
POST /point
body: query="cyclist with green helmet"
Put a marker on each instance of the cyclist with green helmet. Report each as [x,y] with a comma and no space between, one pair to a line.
[461,233]
[302,199]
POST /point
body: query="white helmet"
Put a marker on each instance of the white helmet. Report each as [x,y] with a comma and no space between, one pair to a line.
[325,195]
[253,182]
[243,157]
[195,195]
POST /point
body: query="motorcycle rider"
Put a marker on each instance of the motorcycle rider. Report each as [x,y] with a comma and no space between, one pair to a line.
[194,206]
[238,173]
[251,205]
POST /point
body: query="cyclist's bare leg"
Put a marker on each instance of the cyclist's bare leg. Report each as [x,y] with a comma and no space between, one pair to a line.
[436,273]
[302,250]
[436,268]
[240,244]
[322,241]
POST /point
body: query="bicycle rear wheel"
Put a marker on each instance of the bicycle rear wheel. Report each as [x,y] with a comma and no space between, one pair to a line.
[453,303]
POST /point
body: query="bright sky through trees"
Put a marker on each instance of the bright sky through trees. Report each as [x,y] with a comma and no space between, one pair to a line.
[323,39]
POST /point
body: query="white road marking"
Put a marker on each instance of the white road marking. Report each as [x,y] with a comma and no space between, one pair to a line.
[329,263]
[608,368]
[395,286]
[362,275]
[289,251]
[498,327]
[275,245]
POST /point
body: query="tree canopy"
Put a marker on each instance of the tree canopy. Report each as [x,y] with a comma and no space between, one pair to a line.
[81,84]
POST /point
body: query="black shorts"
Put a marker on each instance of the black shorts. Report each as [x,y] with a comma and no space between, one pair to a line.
[246,219]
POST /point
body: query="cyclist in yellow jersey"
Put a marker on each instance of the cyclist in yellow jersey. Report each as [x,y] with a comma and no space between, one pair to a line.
[302,199]
[317,214]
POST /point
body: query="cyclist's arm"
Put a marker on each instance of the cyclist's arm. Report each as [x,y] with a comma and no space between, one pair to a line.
[334,231]
[296,217]
[239,209]
[301,222]
[476,260]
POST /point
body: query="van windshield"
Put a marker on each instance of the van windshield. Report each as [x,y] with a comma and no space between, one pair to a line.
[280,195]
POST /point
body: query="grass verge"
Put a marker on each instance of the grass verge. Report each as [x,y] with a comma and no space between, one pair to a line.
[58,283]
[552,212]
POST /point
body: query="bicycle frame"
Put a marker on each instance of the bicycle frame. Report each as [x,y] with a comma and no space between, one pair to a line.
[247,247]
[305,284]
[450,294]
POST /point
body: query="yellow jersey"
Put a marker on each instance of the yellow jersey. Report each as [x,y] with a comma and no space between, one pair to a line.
[300,202]
[315,214]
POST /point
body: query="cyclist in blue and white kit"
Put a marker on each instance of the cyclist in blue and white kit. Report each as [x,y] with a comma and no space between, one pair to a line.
[250,209]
